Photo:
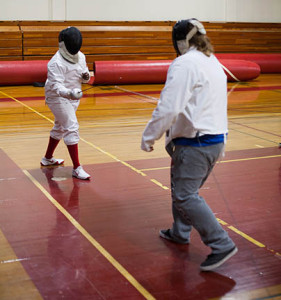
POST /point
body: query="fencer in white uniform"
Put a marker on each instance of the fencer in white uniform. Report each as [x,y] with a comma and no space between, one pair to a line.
[67,70]
[192,112]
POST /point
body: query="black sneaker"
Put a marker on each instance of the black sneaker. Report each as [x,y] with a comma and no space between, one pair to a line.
[215,260]
[165,234]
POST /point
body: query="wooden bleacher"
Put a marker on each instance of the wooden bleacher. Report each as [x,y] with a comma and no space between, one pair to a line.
[38,40]
[245,37]
[103,42]
[10,41]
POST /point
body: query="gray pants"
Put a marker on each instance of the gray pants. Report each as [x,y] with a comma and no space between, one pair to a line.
[190,168]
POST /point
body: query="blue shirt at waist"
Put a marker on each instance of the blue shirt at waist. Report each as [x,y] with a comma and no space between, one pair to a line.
[200,141]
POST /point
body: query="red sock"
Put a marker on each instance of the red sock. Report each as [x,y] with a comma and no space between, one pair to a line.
[51,147]
[73,152]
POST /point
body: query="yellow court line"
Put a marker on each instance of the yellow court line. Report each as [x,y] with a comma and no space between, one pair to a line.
[113,157]
[97,245]
[155,169]
[219,162]
[248,238]
[250,158]
[159,184]
[28,107]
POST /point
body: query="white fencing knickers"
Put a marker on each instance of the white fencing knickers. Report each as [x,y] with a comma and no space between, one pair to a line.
[66,123]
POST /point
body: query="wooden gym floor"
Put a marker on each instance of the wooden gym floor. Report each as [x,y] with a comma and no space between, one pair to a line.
[62,238]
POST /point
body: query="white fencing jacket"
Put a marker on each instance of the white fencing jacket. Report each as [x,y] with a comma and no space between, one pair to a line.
[64,76]
[193,100]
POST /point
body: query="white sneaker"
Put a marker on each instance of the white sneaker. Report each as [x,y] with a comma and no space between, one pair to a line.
[51,161]
[80,173]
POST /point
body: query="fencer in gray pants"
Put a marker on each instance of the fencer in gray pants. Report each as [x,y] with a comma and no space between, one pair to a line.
[190,168]
[192,111]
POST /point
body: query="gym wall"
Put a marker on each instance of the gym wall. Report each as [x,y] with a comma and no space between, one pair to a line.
[145,10]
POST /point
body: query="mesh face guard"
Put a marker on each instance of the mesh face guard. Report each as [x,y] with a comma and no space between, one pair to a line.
[72,39]
[70,42]
[183,31]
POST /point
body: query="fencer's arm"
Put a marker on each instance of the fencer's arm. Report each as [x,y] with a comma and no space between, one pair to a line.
[160,122]
[85,76]
[173,100]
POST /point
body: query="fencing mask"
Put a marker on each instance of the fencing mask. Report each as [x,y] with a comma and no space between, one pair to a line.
[70,42]
[183,31]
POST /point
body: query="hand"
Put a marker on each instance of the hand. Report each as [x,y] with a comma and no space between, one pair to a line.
[76,94]
[85,76]
[146,148]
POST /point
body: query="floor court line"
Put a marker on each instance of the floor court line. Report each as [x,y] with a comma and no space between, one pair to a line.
[219,162]
[97,245]
[12,274]
[240,233]
[28,107]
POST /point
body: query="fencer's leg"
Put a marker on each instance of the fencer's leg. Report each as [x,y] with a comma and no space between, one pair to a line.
[191,166]
[77,171]
[51,147]
[182,227]
[61,110]
[73,152]
[48,159]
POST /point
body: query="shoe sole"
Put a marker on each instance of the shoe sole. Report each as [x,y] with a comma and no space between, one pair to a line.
[87,178]
[166,237]
[56,164]
[214,266]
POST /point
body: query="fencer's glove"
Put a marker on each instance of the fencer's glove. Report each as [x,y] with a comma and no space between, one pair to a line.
[75,94]
[146,147]
[85,76]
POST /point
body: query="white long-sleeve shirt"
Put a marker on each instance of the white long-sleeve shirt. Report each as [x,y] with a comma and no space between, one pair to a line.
[193,100]
[64,76]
